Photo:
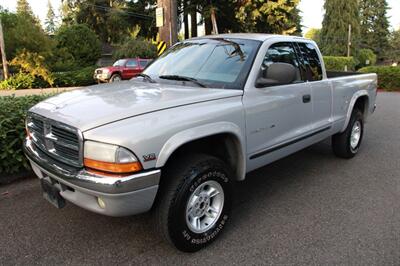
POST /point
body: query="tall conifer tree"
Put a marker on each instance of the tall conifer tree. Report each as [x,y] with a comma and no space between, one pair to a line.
[50,19]
[23,8]
[339,14]
[374,26]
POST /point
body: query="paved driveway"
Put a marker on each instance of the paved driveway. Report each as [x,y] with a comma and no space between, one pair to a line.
[310,208]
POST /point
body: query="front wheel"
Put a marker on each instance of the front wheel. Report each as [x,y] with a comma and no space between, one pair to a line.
[115,78]
[347,143]
[195,205]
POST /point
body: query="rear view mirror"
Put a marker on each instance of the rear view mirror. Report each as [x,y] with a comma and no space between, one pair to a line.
[277,74]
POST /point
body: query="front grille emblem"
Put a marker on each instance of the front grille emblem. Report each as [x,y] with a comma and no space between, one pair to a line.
[48,142]
[60,141]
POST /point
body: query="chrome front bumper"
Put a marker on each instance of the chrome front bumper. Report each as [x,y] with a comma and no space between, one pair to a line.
[121,196]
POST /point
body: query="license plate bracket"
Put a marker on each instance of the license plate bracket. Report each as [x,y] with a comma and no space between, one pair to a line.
[52,194]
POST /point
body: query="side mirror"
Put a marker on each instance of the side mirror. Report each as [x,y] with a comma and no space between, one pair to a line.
[277,74]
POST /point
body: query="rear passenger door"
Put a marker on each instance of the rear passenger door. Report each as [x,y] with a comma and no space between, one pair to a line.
[321,90]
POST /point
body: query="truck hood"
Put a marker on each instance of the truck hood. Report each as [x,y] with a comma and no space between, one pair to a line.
[94,106]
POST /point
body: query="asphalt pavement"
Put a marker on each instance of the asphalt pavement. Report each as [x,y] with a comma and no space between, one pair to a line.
[307,209]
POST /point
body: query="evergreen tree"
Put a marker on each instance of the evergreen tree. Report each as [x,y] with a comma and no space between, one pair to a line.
[339,14]
[281,16]
[394,43]
[23,8]
[374,26]
[112,21]
[50,19]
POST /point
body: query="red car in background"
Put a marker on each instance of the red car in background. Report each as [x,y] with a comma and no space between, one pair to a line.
[121,69]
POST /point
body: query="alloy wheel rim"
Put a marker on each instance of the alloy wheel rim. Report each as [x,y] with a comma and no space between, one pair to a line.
[355,135]
[204,206]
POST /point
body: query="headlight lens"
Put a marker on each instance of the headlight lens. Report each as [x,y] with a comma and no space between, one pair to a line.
[110,158]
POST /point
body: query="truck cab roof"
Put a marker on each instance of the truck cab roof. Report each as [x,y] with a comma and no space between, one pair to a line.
[254,36]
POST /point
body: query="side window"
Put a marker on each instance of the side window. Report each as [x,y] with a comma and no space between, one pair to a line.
[143,63]
[131,64]
[282,53]
[311,61]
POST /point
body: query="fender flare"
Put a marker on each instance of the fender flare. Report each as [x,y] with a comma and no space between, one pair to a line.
[353,100]
[203,131]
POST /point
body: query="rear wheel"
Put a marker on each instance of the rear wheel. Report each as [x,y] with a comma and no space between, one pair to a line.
[195,204]
[347,143]
[115,77]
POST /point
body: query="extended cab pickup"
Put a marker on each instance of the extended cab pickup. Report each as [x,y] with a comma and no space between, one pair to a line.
[200,117]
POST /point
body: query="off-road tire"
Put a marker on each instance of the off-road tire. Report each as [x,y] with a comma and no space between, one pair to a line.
[180,180]
[341,142]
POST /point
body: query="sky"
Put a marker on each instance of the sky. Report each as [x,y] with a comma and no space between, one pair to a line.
[312,11]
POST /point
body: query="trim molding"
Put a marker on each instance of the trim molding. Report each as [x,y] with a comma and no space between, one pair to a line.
[283,145]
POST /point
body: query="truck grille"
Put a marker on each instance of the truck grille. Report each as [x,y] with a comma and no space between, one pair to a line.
[58,140]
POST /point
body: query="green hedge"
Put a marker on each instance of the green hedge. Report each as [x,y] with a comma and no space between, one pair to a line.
[338,63]
[80,77]
[388,76]
[12,132]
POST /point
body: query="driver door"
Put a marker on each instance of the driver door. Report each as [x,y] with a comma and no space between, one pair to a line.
[277,116]
[131,69]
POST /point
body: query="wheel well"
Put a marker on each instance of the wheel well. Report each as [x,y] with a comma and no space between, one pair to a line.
[223,146]
[362,104]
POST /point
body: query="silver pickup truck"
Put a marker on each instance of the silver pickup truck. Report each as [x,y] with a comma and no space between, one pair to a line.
[200,117]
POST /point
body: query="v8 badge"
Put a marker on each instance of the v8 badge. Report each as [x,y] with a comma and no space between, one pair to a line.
[149,157]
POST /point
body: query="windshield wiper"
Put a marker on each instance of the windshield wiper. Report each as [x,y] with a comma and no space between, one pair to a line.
[183,78]
[146,77]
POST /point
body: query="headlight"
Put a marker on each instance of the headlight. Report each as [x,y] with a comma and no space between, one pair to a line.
[109,158]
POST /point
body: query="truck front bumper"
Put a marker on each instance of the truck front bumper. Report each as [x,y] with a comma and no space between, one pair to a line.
[101,194]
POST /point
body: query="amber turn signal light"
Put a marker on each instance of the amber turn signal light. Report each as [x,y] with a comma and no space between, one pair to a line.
[118,168]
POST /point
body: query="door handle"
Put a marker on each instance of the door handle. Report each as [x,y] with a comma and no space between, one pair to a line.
[306,98]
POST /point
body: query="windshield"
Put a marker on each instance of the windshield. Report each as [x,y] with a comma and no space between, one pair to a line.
[120,62]
[216,63]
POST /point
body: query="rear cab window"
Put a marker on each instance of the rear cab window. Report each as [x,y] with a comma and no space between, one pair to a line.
[310,60]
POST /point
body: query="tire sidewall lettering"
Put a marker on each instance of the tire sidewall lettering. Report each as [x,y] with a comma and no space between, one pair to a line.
[185,233]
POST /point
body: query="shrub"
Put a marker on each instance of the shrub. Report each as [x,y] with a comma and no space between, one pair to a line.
[80,42]
[12,131]
[338,63]
[61,60]
[81,77]
[136,48]
[17,82]
[364,55]
[388,77]
[34,64]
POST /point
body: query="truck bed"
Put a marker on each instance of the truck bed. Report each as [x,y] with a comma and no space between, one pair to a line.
[338,74]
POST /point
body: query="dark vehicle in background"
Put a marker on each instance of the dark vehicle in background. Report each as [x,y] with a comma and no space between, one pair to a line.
[122,69]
